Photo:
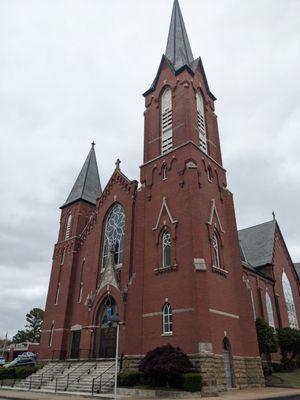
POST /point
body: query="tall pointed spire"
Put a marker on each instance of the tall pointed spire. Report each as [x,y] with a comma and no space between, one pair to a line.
[87,186]
[178,50]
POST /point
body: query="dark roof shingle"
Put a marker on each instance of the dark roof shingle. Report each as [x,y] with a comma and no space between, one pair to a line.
[258,242]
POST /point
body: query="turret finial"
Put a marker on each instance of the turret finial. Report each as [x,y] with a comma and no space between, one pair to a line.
[93,144]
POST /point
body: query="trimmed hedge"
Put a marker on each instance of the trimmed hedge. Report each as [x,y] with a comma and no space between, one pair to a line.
[192,382]
[16,373]
[129,378]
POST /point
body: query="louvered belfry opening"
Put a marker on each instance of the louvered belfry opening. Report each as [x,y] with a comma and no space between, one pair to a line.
[166,121]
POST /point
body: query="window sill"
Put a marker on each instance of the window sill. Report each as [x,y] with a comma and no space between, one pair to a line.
[167,334]
[220,271]
[161,270]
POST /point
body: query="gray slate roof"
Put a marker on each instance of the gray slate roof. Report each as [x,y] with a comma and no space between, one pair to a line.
[87,186]
[297,268]
[257,243]
[178,50]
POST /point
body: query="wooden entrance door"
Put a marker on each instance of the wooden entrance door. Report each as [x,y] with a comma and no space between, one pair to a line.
[108,330]
[75,347]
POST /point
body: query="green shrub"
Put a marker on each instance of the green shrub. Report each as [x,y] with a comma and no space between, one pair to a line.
[266,336]
[288,365]
[17,372]
[164,365]
[129,378]
[192,382]
[267,368]
[289,343]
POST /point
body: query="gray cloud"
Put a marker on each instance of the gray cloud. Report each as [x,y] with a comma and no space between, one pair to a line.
[73,71]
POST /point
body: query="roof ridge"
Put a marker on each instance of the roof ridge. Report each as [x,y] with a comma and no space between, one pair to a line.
[254,226]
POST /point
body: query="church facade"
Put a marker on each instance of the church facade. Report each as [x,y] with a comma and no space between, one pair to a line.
[164,254]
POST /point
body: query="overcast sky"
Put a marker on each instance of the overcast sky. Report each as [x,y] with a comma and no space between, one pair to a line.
[73,71]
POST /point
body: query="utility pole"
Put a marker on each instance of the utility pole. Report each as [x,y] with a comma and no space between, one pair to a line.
[4,346]
[116,319]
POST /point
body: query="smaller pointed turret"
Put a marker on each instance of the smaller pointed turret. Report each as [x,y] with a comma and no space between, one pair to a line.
[178,50]
[87,186]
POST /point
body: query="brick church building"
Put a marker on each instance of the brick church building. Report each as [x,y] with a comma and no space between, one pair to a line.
[165,254]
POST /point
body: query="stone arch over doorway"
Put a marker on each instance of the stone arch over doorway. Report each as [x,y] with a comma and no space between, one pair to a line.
[228,363]
[105,343]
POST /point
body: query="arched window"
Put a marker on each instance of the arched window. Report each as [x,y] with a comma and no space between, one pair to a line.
[68,228]
[114,234]
[166,121]
[201,122]
[289,301]
[80,293]
[270,310]
[216,251]
[166,248]
[51,335]
[167,319]
[210,174]
[63,254]
[253,305]
[165,172]
[57,294]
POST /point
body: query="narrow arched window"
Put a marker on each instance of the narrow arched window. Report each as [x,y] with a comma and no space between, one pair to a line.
[51,335]
[201,122]
[166,249]
[289,301]
[57,294]
[68,228]
[166,121]
[165,172]
[210,174]
[63,254]
[253,305]
[114,234]
[80,293]
[167,319]
[270,310]
[216,251]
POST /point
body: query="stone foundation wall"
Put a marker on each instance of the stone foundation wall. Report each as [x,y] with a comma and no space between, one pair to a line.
[247,371]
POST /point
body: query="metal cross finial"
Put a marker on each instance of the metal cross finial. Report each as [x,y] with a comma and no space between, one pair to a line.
[118,162]
[93,144]
[274,216]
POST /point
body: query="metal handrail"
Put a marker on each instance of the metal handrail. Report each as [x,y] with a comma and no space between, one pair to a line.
[40,378]
[70,374]
[100,377]
[80,376]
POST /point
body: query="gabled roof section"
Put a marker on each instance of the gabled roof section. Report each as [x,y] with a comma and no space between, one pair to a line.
[258,243]
[297,268]
[178,50]
[87,186]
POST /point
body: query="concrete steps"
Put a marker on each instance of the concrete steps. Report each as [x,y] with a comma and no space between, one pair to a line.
[79,376]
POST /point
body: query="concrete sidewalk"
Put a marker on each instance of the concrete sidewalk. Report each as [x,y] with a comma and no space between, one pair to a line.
[253,394]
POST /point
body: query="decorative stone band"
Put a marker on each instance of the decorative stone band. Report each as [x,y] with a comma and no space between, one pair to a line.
[55,330]
[224,314]
[176,311]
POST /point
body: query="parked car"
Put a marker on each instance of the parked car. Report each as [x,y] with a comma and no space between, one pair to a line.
[2,361]
[21,361]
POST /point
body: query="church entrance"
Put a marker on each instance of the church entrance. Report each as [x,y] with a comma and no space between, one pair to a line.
[108,330]
[228,363]
[75,344]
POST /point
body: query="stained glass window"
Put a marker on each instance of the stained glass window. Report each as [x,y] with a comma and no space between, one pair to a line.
[270,311]
[216,251]
[114,234]
[166,249]
[289,301]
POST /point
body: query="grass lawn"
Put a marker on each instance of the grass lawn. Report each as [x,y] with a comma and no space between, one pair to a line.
[284,379]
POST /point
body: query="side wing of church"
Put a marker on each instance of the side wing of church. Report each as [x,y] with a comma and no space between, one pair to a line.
[165,254]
